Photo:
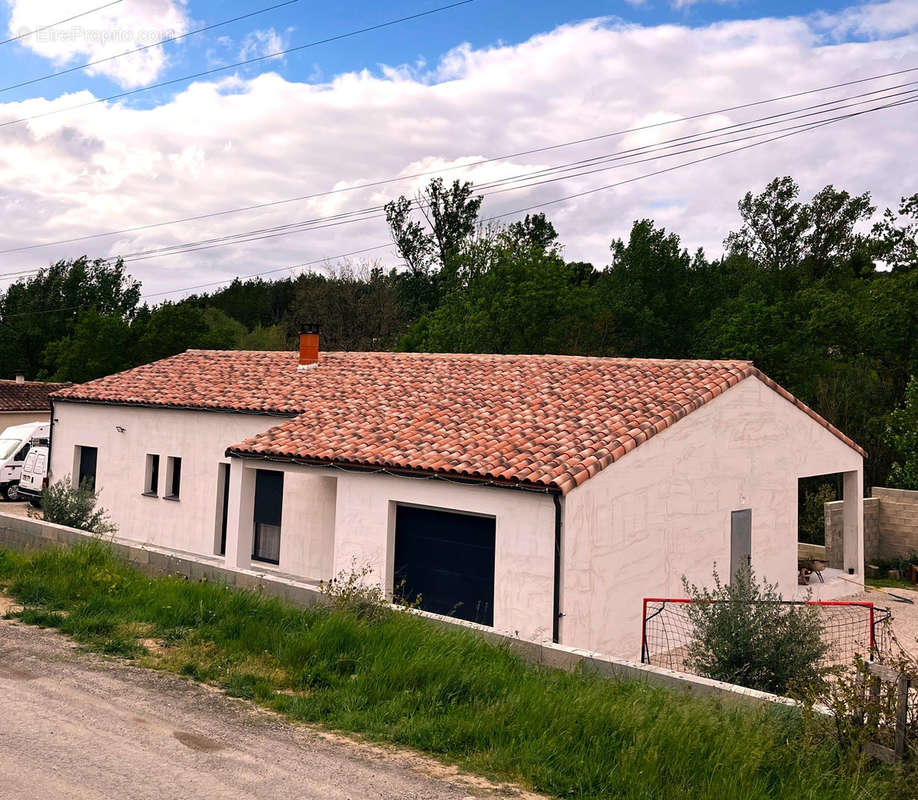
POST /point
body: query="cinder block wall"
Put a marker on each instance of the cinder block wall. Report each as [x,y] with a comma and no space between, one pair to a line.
[890,526]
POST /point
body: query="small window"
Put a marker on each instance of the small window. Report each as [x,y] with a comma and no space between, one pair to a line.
[21,455]
[269,501]
[87,459]
[173,477]
[151,479]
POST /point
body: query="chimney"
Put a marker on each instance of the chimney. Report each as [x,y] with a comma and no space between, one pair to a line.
[309,347]
[20,378]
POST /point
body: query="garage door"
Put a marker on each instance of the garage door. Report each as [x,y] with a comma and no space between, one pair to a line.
[448,560]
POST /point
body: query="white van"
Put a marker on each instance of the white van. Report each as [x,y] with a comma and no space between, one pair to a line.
[34,475]
[15,444]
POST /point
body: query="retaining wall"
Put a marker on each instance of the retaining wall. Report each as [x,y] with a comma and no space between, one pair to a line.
[21,533]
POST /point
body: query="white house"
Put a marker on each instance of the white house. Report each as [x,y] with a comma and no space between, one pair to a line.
[545,495]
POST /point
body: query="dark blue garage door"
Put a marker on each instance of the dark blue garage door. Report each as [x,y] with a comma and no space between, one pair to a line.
[448,560]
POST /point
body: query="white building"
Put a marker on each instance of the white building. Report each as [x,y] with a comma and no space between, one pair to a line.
[503,489]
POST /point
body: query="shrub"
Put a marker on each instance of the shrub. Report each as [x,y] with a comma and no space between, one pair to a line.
[745,635]
[350,590]
[75,506]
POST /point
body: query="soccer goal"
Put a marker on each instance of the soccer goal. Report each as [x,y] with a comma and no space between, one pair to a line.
[849,628]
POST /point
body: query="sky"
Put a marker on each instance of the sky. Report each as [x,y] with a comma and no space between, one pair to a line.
[482,81]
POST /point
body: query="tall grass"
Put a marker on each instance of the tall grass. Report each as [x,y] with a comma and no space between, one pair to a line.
[402,679]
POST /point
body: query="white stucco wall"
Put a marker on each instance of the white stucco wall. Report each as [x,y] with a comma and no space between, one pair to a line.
[663,511]
[200,438]
[524,539]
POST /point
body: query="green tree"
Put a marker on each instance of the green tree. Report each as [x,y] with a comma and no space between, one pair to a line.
[42,309]
[902,435]
[100,344]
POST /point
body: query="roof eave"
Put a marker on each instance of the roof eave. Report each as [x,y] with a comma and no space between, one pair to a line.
[404,472]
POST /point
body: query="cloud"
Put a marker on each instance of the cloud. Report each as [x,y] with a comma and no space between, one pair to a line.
[238,141]
[110,31]
[262,43]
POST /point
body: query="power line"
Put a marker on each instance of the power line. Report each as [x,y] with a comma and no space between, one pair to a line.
[59,22]
[246,62]
[629,157]
[533,151]
[809,127]
[523,180]
[167,40]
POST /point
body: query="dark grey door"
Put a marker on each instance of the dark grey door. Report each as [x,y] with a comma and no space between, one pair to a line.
[445,561]
[740,540]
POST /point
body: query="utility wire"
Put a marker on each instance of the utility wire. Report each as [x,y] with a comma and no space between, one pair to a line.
[246,62]
[521,180]
[578,168]
[384,181]
[644,176]
[59,22]
[167,40]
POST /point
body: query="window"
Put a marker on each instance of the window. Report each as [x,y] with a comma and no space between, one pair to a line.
[223,491]
[269,501]
[740,540]
[151,479]
[21,455]
[87,459]
[173,477]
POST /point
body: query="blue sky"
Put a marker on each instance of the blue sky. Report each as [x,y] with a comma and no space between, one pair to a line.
[436,96]
[482,23]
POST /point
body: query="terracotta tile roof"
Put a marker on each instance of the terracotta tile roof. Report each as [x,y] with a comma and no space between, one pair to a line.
[548,422]
[28,396]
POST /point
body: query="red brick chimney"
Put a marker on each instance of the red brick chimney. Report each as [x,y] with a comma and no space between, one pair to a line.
[309,347]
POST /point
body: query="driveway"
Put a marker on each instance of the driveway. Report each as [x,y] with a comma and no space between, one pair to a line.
[77,726]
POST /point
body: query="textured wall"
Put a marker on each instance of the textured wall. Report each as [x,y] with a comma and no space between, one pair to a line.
[890,525]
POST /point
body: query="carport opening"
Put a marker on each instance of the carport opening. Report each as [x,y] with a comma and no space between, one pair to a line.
[813,493]
[444,562]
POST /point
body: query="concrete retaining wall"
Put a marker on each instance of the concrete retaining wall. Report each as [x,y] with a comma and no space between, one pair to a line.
[23,534]
[890,525]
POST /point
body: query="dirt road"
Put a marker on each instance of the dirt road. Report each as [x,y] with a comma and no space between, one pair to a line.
[75,726]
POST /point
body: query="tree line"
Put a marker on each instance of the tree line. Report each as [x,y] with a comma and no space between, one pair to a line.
[818,292]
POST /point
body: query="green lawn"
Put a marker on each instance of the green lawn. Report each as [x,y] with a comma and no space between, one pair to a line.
[401,679]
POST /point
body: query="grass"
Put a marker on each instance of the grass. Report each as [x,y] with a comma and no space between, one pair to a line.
[891,583]
[398,678]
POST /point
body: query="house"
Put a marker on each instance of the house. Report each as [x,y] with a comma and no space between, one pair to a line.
[23,401]
[542,495]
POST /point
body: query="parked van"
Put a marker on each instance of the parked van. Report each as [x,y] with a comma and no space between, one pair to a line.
[34,475]
[15,444]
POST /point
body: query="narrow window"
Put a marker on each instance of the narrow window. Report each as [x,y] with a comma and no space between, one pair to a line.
[223,490]
[740,540]
[269,500]
[173,477]
[87,459]
[151,480]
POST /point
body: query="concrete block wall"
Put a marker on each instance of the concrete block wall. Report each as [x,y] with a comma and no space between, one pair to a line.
[23,534]
[890,525]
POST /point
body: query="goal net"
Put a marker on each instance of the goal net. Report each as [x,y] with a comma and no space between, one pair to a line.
[849,628]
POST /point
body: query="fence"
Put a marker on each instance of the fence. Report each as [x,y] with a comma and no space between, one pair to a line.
[849,629]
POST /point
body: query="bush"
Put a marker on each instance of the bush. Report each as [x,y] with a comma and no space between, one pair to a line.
[66,504]
[745,635]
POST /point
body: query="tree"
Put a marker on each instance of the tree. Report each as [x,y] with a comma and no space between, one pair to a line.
[100,344]
[897,244]
[39,310]
[431,249]
[902,435]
